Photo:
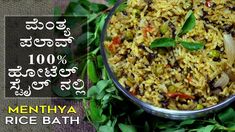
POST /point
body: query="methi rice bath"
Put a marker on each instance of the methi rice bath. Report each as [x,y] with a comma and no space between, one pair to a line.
[173,77]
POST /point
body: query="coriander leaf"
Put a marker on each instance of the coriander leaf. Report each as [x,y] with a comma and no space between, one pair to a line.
[208,128]
[189,24]
[192,45]
[127,128]
[163,42]
[227,116]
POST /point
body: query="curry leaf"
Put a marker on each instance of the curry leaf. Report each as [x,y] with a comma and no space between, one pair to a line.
[189,24]
[192,45]
[163,42]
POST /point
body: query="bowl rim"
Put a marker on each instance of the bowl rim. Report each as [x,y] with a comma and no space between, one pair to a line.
[162,112]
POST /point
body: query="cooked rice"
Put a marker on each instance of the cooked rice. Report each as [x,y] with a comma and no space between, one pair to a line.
[149,74]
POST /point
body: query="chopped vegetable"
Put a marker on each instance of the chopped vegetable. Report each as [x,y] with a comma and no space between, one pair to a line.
[222,81]
[164,28]
[116,40]
[199,106]
[129,35]
[231,75]
[229,45]
[180,95]
[147,30]
[208,3]
[214,53]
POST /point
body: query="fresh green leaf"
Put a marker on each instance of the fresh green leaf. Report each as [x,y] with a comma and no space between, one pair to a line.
[84,38]
[96,113]
[187,122]
[95,7]
[174,130]
[108,127]
[79,10]
[99,61]
[102,85]
[92,71]
[127,128]
[111,2]
[189,23]
[137,113]
[121,7]
[192,45]
[111,89]
[92,91]
[105,128]
[208,128]
[163,42]
[164,125]
[227,116]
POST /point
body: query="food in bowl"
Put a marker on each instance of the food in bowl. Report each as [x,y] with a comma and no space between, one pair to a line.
[174,54]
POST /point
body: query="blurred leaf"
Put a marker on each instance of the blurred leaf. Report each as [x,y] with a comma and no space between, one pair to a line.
[111,2]
[186,122]
[102,84]
[57,11]
[96,113]
[92,91]
[97,7]
[127,128]
[227,116]
[99,61]
[208,128]
[146,127]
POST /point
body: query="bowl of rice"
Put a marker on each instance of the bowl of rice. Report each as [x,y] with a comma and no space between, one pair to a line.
[173,58]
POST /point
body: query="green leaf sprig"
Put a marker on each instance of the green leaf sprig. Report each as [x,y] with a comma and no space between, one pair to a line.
[188,25]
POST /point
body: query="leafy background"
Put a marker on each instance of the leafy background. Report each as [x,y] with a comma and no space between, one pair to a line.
[103,101]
